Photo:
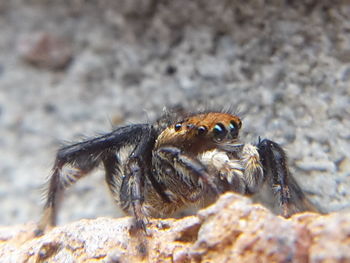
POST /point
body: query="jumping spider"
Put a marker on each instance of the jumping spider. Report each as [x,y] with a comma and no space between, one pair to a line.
[177,161]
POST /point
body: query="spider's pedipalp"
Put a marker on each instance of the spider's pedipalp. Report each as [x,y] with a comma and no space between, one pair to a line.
[253,170]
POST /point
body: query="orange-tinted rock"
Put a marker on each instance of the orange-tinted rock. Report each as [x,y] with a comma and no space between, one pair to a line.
[232,230]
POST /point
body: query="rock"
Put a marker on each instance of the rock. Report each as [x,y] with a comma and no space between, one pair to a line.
[45,50]
[316,165]
[231,230]
[275,64]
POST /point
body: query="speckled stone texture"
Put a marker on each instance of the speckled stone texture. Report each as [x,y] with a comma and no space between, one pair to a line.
[284,65]
[232,230]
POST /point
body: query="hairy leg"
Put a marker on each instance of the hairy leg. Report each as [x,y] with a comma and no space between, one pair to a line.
[183,175]
[128,191]
[83,158]
[60,180]
[291,197]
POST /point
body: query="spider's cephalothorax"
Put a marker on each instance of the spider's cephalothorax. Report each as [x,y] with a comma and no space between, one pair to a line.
[174,163]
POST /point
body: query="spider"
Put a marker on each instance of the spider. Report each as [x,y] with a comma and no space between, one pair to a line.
[178,161]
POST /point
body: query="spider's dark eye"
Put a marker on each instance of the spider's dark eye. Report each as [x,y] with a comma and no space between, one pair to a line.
[233,129]
[201,130]
[177,126]
[219,131]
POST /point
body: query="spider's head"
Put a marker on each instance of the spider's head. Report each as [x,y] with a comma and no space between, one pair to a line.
[213,126]
[202,132]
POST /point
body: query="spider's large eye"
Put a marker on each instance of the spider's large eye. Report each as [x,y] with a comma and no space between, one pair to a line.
[234,129]
[219,131]
[177,126]
[201,130]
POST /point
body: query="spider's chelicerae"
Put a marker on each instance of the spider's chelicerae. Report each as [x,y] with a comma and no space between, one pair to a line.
[177,161]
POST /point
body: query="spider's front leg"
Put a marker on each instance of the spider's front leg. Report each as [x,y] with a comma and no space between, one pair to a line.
[183,175]
[274,161]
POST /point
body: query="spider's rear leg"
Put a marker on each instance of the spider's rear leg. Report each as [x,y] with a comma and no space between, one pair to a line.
[83,157]
[59,180]
[291,197]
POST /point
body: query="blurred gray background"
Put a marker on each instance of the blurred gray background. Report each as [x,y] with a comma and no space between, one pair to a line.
[71,69]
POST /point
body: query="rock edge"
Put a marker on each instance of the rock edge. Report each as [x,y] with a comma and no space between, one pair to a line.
[231,230]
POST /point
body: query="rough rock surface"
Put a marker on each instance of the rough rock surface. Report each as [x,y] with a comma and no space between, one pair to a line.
[231,230]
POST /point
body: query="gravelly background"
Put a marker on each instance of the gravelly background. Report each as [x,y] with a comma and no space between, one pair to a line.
[284,66]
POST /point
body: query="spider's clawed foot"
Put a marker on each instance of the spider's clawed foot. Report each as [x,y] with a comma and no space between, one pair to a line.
[140,226]
[41,230]
[46,222]
[38,232]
